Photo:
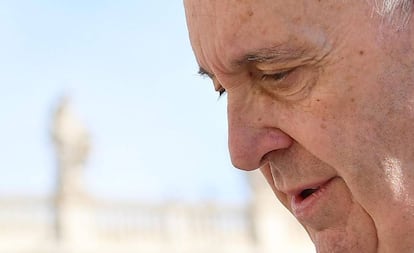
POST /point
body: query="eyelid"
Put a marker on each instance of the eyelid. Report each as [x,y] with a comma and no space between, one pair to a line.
[276,75]
[275,70]
[217,87]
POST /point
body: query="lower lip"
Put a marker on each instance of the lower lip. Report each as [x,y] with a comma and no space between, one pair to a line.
[303,208]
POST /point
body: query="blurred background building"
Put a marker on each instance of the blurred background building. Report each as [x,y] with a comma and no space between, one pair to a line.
[74,221]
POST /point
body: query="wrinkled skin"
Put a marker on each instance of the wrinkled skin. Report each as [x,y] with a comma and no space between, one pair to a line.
[320,95]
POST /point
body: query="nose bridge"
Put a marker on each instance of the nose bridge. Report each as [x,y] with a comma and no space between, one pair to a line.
[252,134]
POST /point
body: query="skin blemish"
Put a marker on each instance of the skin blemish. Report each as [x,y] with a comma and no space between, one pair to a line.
[361,52]
[245,17]
[256,92]
[323,126]
[297,20]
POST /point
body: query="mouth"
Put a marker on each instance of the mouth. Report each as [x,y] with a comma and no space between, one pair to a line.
[307,192]
[305,201]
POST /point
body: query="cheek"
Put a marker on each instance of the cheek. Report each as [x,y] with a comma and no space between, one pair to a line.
[316,126]
[329,124]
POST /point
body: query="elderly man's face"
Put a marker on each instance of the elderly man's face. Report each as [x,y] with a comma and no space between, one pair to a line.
[320,98]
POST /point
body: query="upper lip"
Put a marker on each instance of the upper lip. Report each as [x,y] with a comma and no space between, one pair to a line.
[300,189]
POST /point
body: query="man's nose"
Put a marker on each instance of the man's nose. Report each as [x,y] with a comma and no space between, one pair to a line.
[251,138]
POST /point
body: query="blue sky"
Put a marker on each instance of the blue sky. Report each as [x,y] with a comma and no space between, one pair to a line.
[158,129]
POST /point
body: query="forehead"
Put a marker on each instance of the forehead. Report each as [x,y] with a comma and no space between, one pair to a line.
[223,30]
[227,25]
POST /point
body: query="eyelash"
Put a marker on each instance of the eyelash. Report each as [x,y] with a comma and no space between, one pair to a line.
[221,91]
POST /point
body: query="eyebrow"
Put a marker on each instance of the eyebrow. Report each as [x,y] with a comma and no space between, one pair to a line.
[202,72]
[270,55]
[263,55]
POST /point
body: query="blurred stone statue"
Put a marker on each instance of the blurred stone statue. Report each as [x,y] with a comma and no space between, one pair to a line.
[72,144]
[70,136]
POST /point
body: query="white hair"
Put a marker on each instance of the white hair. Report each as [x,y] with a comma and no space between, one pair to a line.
[398,12]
